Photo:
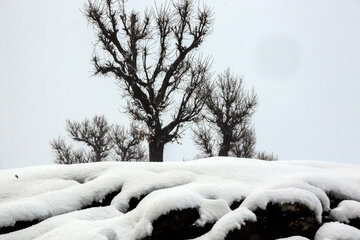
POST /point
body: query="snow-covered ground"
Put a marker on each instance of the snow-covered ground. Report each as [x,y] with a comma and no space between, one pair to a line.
[120,200]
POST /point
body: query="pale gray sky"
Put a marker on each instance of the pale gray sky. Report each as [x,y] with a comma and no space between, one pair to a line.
[302,58]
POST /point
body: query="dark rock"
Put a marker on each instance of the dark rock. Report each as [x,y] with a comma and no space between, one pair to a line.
[18,226]
[105,201]
[326,217]
[279,221]
[178,224]
[134,201]
[335,199]
[355,223]
[235,204]
[249,231]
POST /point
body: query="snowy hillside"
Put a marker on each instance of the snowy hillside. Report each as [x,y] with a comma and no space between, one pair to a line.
[209,199]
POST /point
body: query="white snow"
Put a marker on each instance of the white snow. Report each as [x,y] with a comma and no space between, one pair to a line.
[347,210]
[57,192]
[337,231]
[261,198]
[230,221]
[170,199]
[294,238]
[71,218]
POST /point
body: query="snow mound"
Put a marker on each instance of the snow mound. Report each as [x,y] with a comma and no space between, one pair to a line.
[337,231]
[230,221]
[262,198]
[294,238]
[346,211]
[209,199]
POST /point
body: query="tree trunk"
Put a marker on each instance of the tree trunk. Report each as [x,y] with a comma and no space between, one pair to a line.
[224,147]
[156,151]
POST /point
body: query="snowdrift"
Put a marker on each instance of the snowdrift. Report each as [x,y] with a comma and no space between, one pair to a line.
[208,199]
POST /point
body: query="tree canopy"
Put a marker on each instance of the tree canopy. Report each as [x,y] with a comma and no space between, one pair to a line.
[227,129]
[152,57]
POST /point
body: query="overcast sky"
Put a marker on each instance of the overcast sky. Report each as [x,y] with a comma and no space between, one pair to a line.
[301,57]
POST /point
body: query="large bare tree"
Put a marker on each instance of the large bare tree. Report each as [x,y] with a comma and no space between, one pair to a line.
[154,61]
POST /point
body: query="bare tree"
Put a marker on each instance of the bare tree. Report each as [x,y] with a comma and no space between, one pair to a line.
[94,134]
[204,139]
[104,141]
[262,155]
[245,147]
[66,155]
[226,129]
[127,143]
[228,110]
[154,62]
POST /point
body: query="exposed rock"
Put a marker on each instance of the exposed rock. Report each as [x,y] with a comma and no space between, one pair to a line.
[18,226]
[278,221]
[177,224]
[235,204]
[355,223]
[134,201]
